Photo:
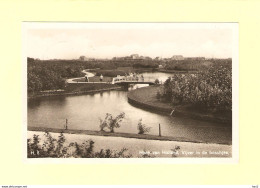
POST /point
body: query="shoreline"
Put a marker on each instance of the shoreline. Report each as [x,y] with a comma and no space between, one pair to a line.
[177,71]
[121,134]
[160,107]
[74,93]
[71,81]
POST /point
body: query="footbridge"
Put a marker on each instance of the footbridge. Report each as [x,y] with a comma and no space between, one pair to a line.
[126,80]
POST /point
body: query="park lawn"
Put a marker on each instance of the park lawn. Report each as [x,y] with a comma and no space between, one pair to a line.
[79,87]
[97,79]
[147,95]
[94,79]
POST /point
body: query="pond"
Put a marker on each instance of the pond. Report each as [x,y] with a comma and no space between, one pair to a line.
[83,113]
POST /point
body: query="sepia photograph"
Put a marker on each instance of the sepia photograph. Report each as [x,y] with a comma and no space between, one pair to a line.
[130,90]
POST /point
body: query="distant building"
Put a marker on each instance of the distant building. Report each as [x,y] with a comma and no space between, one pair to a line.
[83,58]
[134,56]
[177,57]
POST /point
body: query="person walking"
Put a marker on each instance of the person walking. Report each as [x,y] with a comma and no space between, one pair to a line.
[86,78]
[101,78]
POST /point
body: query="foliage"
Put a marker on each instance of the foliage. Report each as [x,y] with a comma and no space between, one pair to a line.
[111,123]
[43,75]
[51,74]
[187,65]
[108,153]
[156,81]
[142,128]
[175,151]
[55,149]
[146,64]
[210,88]
[147,154]
[103,123]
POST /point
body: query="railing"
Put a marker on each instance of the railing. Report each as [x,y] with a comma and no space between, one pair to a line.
[140,79]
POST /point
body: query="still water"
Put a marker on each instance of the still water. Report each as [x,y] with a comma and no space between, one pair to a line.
[83,112]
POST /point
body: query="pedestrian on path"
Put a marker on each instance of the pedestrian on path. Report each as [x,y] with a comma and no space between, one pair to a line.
[86,78]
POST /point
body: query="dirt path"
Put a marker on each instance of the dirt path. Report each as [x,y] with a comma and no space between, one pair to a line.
[138,147]
[124,135]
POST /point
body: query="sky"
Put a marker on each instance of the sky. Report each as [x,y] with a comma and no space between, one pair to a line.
[96,40]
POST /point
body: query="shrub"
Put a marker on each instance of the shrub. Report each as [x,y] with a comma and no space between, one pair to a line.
[55,149]
[142,128]
[103,123]
[111,123]
[175,151]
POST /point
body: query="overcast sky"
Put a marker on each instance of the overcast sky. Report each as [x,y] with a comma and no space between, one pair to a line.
[69,41]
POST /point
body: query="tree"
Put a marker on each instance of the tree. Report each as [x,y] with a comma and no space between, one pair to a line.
[209,89]
[156,81]
[104,123]
[111,123]
[114,122]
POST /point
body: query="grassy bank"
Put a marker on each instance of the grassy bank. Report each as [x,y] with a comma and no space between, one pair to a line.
[75,87]
[79,88]
[176,71]
[94,79]
[146,98]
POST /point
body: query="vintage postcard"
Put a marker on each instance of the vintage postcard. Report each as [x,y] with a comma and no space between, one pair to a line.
[148,92]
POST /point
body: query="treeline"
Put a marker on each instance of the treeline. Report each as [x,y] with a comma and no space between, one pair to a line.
[51,74]
[146,64]
[46,75]
[193,65]
[210,89]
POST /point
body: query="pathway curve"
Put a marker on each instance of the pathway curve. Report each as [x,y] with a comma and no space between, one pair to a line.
[89,74]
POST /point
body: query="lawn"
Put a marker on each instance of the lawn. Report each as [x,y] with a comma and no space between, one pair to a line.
[147,96]
[94,79]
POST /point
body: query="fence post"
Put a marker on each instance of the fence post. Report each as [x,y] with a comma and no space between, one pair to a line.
[66,126]
[160,130]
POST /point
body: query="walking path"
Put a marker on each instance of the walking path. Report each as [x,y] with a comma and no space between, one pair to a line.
[116,134]
[118,79]
[89,74]
[139,147]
